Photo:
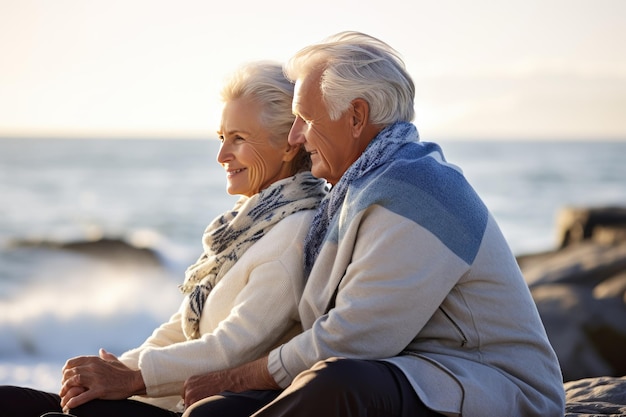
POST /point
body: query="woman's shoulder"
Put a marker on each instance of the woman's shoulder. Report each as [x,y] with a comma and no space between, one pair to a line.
[285,240]
[289,232]
[295,224]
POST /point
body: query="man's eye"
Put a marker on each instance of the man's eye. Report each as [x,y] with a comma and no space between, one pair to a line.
[307,122]
[221,138]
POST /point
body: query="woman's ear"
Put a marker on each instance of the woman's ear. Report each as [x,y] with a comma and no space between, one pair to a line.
[290,152]
[360,116]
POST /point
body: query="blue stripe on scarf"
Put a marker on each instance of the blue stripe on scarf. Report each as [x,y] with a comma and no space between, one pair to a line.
[426,191]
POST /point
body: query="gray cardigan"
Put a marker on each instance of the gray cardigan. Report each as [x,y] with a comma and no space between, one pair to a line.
[427,282]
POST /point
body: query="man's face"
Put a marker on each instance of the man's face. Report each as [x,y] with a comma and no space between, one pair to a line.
[330,142]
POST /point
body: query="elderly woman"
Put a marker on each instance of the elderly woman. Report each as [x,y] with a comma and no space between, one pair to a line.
[242,293]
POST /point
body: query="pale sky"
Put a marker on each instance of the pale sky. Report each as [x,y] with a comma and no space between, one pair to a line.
[527,69]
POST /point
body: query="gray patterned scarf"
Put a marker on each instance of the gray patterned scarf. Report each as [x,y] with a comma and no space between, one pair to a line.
[231,234]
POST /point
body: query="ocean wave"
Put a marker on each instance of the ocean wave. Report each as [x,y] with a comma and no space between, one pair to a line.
[72,298]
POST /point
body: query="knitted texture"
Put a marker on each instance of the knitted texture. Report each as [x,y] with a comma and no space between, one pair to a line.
[410,178]
[227,238]
[378,152]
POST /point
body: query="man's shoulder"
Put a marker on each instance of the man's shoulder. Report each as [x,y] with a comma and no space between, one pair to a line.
[414,176]
[428,193]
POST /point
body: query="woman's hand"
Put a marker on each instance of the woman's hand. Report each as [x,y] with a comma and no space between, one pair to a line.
[89,377]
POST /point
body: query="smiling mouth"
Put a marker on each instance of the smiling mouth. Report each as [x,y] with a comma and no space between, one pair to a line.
[234,172]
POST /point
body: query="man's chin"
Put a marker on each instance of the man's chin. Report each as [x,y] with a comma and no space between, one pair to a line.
[318,173]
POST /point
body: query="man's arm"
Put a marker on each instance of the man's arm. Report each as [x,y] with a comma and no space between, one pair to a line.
[250,376]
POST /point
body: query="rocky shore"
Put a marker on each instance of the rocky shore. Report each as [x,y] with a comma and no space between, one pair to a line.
[580,291]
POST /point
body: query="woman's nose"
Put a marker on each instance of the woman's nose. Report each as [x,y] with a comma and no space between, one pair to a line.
[224,155]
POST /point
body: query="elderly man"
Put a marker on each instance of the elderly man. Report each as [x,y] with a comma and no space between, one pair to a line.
[414,304]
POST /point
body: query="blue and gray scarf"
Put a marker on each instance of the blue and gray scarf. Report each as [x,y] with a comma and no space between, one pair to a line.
[378,152]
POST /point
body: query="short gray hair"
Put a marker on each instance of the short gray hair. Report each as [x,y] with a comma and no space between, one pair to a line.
[265,83]
[356,65]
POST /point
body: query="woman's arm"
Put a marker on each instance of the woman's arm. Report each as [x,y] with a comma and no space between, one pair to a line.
[167,334]
[249,312]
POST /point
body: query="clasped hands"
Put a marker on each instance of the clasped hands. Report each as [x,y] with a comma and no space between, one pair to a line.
[86,378]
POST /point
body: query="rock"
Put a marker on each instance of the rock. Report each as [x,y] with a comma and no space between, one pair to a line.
[115,249]
[575,224]
[591,397]
[614,287]
[585,263]
[108,249]
[588,334]
[580,292]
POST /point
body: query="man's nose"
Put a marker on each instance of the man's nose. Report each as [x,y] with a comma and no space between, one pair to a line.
[296,136]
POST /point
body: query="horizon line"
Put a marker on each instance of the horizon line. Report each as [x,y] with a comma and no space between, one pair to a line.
[194,137]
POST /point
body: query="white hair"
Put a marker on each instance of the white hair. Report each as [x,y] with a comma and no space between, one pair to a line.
[356,65]
[265,83]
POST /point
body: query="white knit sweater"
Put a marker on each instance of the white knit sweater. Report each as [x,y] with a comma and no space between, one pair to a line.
[251,310]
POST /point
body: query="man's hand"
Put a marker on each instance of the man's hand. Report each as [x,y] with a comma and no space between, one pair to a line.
[251,376]
[89,377]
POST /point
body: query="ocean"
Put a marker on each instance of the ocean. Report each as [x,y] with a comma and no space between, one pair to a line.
[160,194]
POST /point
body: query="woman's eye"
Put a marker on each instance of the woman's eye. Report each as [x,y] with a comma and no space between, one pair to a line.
[221,138]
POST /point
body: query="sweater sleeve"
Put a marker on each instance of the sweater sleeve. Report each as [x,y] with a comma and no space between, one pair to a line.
[167,334]
[397,276]
[263,311]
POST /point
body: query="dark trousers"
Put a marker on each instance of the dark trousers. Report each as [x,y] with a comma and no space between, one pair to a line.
[26,402]
[334,388]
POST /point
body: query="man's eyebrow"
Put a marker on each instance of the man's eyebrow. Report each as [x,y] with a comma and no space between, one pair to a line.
[297,111]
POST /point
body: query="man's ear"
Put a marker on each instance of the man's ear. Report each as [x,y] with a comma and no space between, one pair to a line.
[360,116]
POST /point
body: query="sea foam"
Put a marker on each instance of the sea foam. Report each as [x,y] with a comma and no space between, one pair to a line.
[72,304]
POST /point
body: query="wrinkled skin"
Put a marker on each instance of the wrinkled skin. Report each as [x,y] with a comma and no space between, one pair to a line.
[86,378]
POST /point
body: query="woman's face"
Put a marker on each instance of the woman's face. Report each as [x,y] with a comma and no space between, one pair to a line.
[252,162]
